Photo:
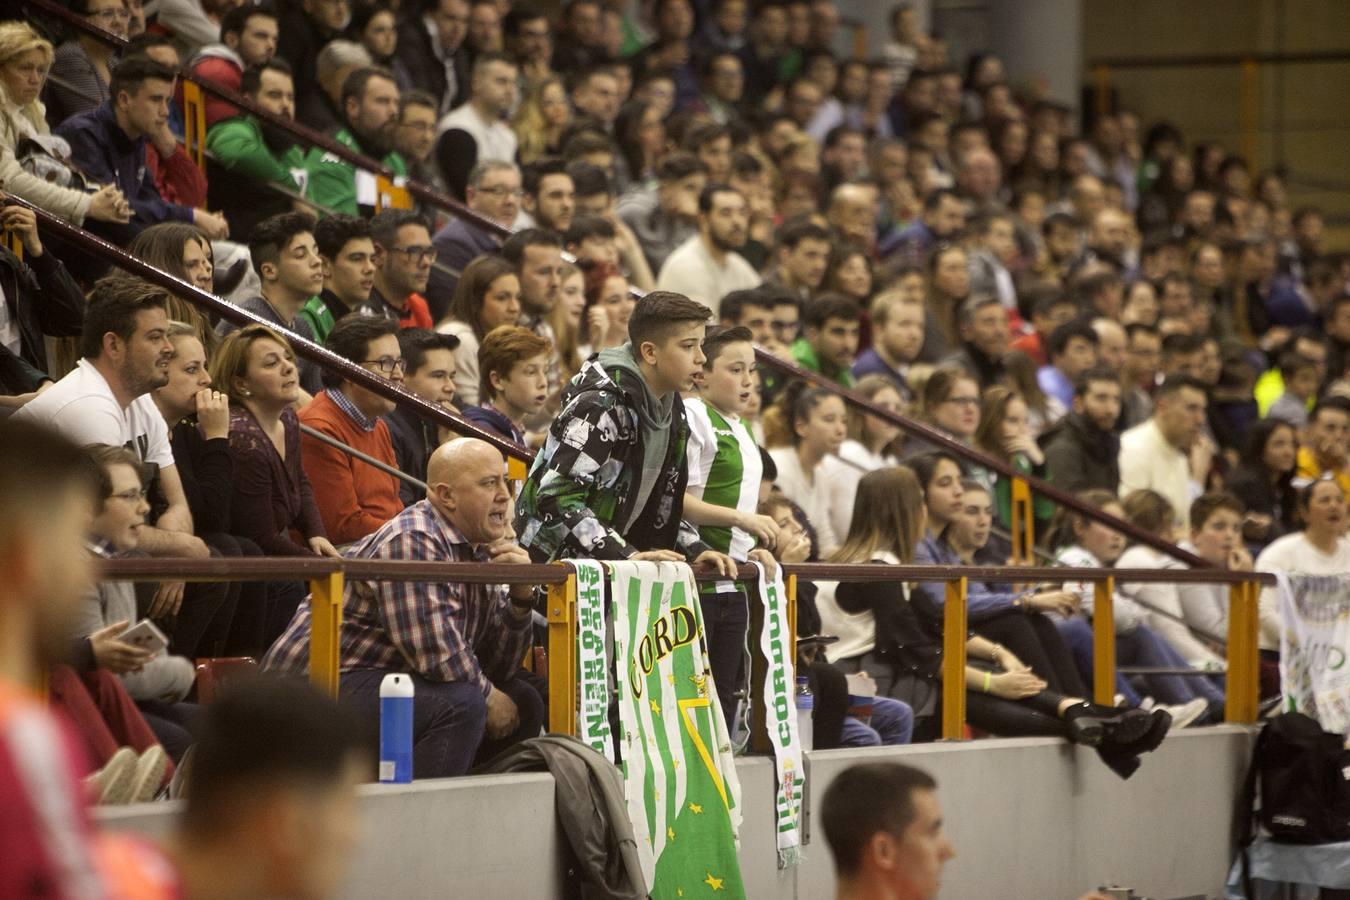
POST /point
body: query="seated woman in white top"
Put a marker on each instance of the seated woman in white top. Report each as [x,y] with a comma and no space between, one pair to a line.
[868,446]
[814,423]
[1321,548]
[1162,606]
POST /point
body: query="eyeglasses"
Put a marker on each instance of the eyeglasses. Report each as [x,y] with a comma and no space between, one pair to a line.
[417,253]
[134,495]
[501,190]
[112,15]
[387,364]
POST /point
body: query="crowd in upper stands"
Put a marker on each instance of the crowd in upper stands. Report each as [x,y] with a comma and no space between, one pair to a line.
[1142,321]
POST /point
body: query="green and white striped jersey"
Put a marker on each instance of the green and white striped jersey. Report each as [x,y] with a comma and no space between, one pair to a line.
[725,470]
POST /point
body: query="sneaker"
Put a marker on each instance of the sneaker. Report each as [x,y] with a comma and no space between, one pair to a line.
[178,785]
[150,769]
[1184,714]
[113,784]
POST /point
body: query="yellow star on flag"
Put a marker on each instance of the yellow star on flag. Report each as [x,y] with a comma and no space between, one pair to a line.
[656,708]
[696,809]
[714,883]
[670,832]
[679,892]
[671,678]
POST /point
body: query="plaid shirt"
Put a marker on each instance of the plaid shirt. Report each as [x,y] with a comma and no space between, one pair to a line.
[442,631]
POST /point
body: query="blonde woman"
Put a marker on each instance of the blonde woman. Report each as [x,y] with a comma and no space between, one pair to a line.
[540,121]
[565,319]
[25,59]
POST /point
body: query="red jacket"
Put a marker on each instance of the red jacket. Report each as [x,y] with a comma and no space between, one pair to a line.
[225,73]
[354,497]
[177,177]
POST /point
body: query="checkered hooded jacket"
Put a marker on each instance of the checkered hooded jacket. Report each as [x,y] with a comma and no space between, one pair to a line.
[584,484]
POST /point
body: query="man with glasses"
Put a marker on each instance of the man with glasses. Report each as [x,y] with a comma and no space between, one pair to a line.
[493,191]
[529,40]
[404,257]
[354,497]
[477,131]
[287,261]
[414,139]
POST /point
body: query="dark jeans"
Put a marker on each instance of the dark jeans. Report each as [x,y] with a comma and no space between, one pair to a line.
[173,723]
[1035,640]
[449,718]
[283,598]
[245,636]
[1144,648]
[726,618]
[202,624]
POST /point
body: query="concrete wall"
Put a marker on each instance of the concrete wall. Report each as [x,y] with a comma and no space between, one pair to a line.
[1031,818]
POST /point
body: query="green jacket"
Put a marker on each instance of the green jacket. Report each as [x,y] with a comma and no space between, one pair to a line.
[333,182]
[806,357]
[238,146]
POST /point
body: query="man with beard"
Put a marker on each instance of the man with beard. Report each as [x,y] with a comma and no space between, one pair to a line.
[707,267]
[537,256]
[494,192]
[254,169]
[370,109]
[248,37]
[105,399]
[404,257]
[1082,450]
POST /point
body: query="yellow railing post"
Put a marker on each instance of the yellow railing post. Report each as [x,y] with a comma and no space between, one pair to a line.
[1249,111]
[954,662]
[1104,643]
[791,588]
[325,629]
[1243,682]
[1102,77]
[1023,524]
[194,124]
[562,656]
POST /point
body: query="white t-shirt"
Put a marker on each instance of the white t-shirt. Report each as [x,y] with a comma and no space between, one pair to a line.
[82,407]
[1294,554]
[691,270]
[724,470]
[817,497]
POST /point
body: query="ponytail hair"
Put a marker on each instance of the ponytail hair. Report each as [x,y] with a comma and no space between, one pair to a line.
[792,407]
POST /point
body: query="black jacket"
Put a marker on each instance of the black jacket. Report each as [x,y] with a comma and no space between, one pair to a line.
[414,440]
[1079,455]
[43,300]
[426,69]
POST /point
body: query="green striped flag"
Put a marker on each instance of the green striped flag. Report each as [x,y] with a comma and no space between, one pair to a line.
[682,792]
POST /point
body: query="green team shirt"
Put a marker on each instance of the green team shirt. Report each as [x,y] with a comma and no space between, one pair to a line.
[725,470]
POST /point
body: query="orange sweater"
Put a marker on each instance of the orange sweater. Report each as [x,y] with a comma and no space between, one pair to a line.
[354,497]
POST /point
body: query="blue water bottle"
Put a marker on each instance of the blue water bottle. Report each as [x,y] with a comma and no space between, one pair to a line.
[396,729]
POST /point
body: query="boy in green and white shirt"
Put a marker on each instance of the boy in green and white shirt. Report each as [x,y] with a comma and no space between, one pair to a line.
[725,472]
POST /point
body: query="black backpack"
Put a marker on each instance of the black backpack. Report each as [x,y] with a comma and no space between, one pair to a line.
[1304,777]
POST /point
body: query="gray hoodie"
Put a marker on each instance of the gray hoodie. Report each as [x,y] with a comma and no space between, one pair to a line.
[654,417]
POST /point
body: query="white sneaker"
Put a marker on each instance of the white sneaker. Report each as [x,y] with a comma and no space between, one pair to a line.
[1184,714]
[114,783]
[150,769]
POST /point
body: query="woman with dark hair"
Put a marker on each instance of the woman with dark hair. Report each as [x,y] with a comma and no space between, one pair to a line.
[849,272]
[487,295]
[183,251]
[900,644]
[640,133]
[813,421]
[1005,433]
[948,285]
[1264,479]
[374,25]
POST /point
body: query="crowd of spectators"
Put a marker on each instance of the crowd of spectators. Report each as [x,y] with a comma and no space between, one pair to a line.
[1143,323]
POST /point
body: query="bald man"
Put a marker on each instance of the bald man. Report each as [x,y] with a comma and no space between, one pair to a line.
[461,643]
[853,213]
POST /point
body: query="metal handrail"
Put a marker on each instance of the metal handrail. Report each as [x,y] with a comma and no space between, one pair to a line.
[1200,60]
[327,585]
[241,317]
[850,397]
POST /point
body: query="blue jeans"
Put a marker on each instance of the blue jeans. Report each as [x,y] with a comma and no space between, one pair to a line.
[1141,647]
[449,718]
[892,723]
